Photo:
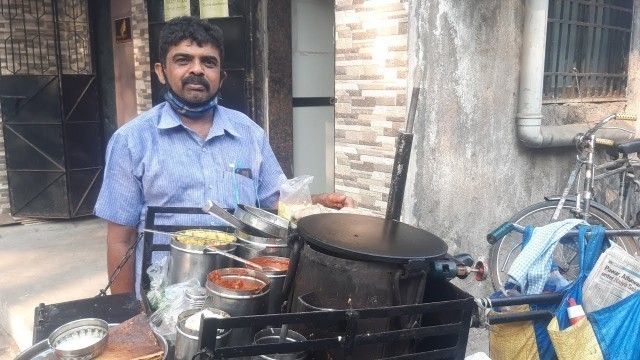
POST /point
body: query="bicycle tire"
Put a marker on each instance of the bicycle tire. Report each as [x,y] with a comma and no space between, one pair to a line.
[533,215]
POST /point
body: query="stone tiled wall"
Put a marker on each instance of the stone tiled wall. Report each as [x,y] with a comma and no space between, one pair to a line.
[371,91]
[27,47]
[140,34]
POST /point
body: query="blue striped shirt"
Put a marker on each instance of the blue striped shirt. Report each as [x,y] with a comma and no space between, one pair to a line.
[154,160]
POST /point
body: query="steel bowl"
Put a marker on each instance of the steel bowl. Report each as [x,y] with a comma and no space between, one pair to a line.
[82,339]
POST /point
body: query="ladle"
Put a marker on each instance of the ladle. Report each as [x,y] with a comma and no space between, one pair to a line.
[213,250]
[210,249]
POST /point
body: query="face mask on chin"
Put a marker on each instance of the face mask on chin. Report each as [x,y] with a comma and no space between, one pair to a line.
[188,109]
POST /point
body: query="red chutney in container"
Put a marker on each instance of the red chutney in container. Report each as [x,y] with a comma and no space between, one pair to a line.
[272,263]
[239,281]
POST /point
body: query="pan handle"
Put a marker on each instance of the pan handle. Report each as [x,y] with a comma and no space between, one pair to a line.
[294,258]
[213,209]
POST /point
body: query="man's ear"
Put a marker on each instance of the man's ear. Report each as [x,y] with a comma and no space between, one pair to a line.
[223,75]
[158,68]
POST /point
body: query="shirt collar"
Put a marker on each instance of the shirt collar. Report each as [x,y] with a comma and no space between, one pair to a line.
[221,122]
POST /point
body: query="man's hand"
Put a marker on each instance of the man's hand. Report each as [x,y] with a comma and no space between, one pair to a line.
[334,200]
[119,240]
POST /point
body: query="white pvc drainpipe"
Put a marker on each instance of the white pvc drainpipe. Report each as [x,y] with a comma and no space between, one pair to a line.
[529,118]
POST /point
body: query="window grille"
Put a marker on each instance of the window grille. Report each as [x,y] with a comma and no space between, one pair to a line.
[587,51]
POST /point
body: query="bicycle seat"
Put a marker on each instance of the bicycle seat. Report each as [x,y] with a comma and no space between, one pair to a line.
[628,147]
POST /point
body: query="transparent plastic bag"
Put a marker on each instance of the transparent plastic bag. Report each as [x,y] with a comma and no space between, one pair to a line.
[164,320]
[294,195]
[157,275]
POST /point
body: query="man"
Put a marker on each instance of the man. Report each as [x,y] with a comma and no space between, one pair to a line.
[185,151]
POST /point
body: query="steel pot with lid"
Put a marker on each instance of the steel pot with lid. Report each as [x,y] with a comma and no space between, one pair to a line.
[256,246]
[251,220]
[358,261]
[263,220]
[191,259]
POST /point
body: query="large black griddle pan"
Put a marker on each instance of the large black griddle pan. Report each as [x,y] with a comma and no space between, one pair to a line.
[369,238]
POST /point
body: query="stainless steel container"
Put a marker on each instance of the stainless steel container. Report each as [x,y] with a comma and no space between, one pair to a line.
[272,336]
[255,246]
[239,292]
[275,268]
[195,296]
[81,339]
[187,339]
[263,220]
[191,261]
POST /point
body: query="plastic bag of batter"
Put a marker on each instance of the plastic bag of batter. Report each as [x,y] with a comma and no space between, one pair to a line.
[294,195]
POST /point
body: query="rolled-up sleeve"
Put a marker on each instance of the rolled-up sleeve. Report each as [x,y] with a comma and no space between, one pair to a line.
[121,197]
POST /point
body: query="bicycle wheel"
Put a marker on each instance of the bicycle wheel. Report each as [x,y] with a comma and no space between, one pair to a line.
[504,251]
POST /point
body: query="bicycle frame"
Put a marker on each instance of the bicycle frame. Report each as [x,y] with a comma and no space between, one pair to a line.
[585,166]
[627,177]
[578,200]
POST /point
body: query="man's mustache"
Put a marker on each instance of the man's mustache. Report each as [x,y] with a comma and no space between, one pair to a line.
[196,80]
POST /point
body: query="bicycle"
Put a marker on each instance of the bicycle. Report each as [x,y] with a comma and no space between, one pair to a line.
[578,204]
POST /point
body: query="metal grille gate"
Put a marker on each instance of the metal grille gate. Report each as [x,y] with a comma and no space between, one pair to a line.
[50,111]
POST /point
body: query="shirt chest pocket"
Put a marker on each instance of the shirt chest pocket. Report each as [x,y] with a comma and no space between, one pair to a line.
[237,189]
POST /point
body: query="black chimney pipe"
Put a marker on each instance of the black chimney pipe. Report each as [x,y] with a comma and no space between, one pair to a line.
[402,157]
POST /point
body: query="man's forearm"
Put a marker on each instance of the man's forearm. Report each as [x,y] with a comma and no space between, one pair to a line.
[119,240]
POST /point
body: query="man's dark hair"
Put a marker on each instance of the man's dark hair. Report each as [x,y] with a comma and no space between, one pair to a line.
[190,28]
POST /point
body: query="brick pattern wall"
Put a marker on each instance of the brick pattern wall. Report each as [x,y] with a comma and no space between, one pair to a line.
[140,35]
[29,48]
[371,91]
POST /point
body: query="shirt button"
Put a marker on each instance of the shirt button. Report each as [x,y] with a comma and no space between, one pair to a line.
[213,224]
[210,186]
[203,149]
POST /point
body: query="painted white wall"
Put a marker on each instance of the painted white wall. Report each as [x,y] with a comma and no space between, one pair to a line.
[313,76]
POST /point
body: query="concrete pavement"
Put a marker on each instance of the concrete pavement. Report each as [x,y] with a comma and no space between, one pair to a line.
[50,262]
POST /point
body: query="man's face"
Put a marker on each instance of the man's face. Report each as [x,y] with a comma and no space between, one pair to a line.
[192,71]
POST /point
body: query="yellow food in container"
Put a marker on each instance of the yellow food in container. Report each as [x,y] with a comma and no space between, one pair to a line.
[204,237]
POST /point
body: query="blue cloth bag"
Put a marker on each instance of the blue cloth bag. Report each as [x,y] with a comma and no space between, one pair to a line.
[589,251]
[617,328]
